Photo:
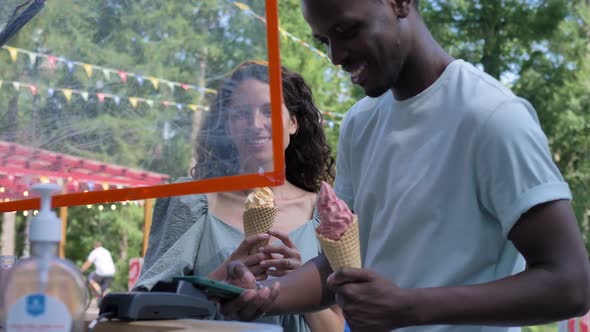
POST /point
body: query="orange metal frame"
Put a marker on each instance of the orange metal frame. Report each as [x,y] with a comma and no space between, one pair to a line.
[230,183]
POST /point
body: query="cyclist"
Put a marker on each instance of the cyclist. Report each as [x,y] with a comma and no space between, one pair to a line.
[104,272]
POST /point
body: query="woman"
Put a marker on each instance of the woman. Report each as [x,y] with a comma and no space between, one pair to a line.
[200,234]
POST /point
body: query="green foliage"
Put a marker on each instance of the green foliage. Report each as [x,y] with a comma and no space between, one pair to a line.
[540,328]
[497,34]
[120,231]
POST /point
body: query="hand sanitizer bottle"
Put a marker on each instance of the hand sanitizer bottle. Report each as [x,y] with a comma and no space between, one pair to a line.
[44,292]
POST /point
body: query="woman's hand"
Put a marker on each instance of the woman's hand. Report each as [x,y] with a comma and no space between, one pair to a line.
[252,262]
[284,258]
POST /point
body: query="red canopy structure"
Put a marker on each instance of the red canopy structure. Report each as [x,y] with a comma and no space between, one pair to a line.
[22,166]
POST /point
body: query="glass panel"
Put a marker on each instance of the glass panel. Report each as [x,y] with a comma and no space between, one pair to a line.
[111,94]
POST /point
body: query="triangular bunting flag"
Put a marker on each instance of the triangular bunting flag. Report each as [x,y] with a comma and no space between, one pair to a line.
[52,61]
[117,100]
[32,58]
[16,85]
[70,66]
[192,107]
[13,53]
[88,69]
[100,97]
[166,103]
[84,95]
[50,92]
[185,86]
[107,74]
[123,76]
[133,101]
[241,5]
[1,82]
[154,82]
[139,79]
[150,102]
[33,89]
[171,86]
[179,106]
[68,94]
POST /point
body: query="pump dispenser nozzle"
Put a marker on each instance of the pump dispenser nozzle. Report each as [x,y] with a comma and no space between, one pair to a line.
[45,190]
[46,226]
[45,230]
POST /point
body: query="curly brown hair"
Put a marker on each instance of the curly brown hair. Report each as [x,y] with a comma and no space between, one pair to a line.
[307,158]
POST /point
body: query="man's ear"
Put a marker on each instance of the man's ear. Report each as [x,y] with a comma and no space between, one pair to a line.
[401,7]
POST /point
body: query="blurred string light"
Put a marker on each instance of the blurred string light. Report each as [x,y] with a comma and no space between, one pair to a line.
[114,206]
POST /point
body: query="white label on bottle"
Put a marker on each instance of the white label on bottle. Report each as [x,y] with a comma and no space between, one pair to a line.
[38,313]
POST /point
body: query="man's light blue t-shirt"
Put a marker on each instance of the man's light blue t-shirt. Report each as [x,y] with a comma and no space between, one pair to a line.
[438,181]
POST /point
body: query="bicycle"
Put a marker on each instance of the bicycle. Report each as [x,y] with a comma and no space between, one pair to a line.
[91,293]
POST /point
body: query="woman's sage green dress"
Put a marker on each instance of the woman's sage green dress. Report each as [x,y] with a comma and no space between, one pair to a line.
[186,239]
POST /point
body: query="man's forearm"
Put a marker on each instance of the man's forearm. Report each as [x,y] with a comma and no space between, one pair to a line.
[304,289]
[530,298]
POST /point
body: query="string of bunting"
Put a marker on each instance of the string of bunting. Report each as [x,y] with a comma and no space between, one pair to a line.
[248,11]
[90,69]
[133,101]
[68,93]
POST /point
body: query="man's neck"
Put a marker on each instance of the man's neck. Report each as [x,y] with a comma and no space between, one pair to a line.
[424,65]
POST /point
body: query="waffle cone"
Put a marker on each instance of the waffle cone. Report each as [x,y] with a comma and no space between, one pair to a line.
[345,252]
[258,220]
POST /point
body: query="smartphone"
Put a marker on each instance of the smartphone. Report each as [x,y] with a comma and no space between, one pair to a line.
[214,288]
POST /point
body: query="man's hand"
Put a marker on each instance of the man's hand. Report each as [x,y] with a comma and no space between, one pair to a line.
[253,303]
[369,301]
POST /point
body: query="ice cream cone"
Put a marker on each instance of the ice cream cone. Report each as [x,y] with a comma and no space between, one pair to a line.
[345,252]
[258,220]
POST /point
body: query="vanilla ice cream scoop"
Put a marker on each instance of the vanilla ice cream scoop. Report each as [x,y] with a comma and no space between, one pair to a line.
[261,197]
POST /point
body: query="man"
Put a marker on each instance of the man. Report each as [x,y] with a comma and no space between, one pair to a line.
[454,186]
[104,271]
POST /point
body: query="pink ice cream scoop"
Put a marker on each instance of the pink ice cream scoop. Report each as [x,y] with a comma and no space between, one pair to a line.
[335,216]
